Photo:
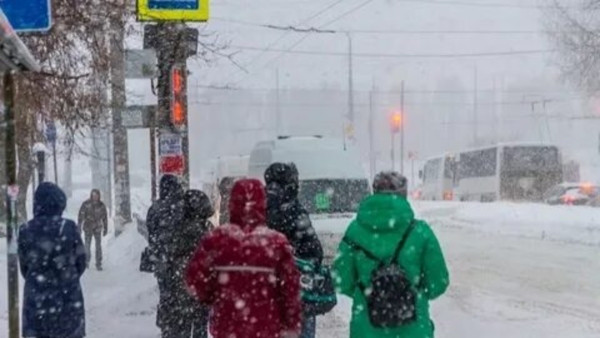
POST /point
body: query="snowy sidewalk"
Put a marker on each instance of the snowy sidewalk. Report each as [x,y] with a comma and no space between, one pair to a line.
[502,284]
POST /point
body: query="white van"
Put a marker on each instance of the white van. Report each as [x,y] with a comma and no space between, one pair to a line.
[332,179]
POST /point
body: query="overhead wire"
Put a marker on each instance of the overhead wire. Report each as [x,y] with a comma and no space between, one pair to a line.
[382,55]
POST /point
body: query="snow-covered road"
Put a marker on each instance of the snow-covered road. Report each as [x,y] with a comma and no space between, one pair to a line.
[515,273]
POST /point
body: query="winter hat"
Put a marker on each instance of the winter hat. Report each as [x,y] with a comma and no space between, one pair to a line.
[390,182]
[247,204]
[286,177]
[49,200]
[197,204]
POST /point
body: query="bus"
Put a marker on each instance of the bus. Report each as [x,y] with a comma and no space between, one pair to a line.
[332,179]
[517,172]
[438,176]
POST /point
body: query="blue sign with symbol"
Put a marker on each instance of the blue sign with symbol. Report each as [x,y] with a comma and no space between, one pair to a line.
[27,15]
[174,4]
[51,133]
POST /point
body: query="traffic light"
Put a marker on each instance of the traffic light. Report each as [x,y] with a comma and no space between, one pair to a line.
[396,122]
[178,104]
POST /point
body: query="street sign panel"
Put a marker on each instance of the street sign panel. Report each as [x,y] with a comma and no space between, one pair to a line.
[172,10]
[140,64]
[137,116]
[28,15]
[170,144]
[174,165]
[50,131]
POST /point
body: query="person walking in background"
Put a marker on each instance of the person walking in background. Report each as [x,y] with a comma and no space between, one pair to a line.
[93,219]
[386,243]
[164,217]
[289,217]
[187,317]
[246,272]
[52,259]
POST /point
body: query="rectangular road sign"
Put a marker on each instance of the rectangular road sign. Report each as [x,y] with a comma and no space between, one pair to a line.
[137,116]
[140,64]
[28,15]
[174,165]
[170,145]
[173,10]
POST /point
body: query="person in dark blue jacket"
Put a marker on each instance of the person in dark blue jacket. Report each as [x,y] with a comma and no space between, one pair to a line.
[52,260]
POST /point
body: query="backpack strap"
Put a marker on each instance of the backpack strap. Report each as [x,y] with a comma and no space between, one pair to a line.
[356,247]
[400,246]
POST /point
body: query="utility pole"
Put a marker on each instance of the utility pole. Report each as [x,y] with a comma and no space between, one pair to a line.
[350,82]
[475,107]
[278,118]
[172,43]
[371,136]
[153,156]
[402,128]
[393,152]
[11,206]
[120,143]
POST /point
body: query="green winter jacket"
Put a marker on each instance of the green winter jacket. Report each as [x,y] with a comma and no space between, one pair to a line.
[382,220]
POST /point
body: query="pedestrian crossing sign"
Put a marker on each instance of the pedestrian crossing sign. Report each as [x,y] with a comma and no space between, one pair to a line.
[173,10]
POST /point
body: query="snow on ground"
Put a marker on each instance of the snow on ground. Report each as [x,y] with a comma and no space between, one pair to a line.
[508,280]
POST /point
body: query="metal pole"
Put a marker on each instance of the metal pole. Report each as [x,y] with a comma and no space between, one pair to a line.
[171,51]
[120,142]
[393,151]
[350,82]
[371,136]
[403,122]
[153,155]
[475,107]
[55,163]
[41,164]
[11,207]
[278,105]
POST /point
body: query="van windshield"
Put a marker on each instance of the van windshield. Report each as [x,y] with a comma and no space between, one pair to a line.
[332,196]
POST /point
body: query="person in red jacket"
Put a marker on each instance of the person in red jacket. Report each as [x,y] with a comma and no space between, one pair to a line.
[246,272]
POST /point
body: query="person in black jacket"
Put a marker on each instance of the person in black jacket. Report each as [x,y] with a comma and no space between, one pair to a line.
[164,217]
[286,215]
[189,318]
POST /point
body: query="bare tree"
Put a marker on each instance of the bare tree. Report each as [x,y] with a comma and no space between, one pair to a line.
[574,28]
[71,89]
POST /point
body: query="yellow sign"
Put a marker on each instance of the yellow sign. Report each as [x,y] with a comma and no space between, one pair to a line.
[173,10]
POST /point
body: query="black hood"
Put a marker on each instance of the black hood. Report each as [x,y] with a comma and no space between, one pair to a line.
[282,182]
[197,205]
[170,188]
[49,200]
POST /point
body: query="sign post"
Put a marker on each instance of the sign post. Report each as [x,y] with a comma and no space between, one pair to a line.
[51,136]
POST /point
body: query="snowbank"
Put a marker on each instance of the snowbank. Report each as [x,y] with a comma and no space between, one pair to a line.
[557,223]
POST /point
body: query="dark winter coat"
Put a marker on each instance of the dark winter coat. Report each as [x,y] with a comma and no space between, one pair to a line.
[52,260]
[287,215]
[380,225]
[246,272]
[164,217]
[183,308]
[93,216]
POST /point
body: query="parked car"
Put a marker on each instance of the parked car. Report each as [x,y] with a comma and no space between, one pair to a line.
[572,194]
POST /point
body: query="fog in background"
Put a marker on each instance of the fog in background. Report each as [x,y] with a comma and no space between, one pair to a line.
[520,95]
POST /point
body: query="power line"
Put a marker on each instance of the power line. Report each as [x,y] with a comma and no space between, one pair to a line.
[282,36]
[395,93]
[299,41]
[381,55]
[481,4]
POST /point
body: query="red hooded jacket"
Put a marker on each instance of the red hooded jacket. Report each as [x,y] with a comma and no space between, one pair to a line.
[246,272]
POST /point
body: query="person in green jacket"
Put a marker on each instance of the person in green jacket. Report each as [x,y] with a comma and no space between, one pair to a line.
[382,220]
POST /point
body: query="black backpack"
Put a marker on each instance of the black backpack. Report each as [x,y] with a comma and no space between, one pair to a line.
[391,298]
